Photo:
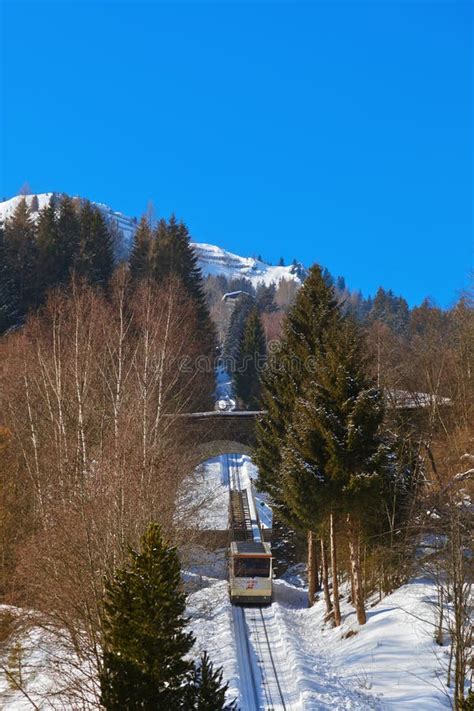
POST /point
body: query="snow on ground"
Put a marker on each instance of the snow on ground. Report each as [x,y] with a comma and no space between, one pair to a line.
[212,490]
[209,493]
[394,655]
[223,393]
[391,663]
[215,260]
[318,684]
[39,669]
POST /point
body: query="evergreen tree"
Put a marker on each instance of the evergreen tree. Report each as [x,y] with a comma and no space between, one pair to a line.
[119,245]
[288,372]
[281,262]
[172,254]
[391,310]
[206,690]
[241,284]
[242,308]
[104,249]
[68,234]
[8,296]
[34,205]
[336,458]
[251,357]
[327,276]
[144,637]
[140,253]
[52,268]
[145,642]
[265,296]
[95,260]
[21,257]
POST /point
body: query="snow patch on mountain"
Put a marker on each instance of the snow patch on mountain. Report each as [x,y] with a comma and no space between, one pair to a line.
[213,260]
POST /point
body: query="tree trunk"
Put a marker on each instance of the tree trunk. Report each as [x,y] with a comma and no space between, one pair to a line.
[358,602]
[325,578]
[335,581]
[312,568]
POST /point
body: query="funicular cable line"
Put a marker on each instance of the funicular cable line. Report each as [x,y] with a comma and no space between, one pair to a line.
[250,587]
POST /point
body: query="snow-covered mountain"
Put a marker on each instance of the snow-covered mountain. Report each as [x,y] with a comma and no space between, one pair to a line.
[213,260]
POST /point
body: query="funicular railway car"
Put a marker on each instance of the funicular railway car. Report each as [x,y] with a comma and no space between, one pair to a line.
[250,558]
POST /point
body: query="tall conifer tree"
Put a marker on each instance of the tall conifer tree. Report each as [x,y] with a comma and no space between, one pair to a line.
[95,259]
[68,233]
[173,256]
[288,372]
[238,318]
[140,254]
[21,256]
[52,268]
[145,642]
[8,296]
[250,360]
[173,253]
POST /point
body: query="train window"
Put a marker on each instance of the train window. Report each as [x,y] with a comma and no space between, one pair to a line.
[251,567]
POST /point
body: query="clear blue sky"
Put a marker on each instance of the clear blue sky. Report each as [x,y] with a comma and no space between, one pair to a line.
[331,132]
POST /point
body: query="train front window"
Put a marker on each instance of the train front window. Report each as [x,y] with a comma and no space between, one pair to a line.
[252,567]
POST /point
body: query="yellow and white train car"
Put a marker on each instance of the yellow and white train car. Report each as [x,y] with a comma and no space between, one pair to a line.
[250,557]
[250,572]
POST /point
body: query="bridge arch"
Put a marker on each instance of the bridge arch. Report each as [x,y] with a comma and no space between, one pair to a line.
[215,448]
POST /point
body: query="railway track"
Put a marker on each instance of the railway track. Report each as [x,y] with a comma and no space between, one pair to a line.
[273,687]
[263,674]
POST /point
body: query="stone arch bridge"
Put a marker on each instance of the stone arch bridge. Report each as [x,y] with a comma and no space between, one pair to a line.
[210,434]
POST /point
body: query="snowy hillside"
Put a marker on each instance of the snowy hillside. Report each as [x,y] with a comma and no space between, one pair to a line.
[212,260]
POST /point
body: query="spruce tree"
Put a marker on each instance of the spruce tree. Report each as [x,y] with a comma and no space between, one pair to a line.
[240,313]
[172,253]
[21,257]
[265,296]
[8,296]
[68,234]
[350,413]
[140,254]
[144,637]
[206,690]
[335,460]
[145,642]
[288,372]
[95,259]
[104,249]
[250,360]
[52,269]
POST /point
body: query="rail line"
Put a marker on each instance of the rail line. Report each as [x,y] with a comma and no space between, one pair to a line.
[273,687]
[263,684]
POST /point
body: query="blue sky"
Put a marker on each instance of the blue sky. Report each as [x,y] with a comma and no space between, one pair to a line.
[332,132]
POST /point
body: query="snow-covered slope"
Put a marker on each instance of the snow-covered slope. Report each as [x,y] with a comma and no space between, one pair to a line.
[212,260]
[215,260]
